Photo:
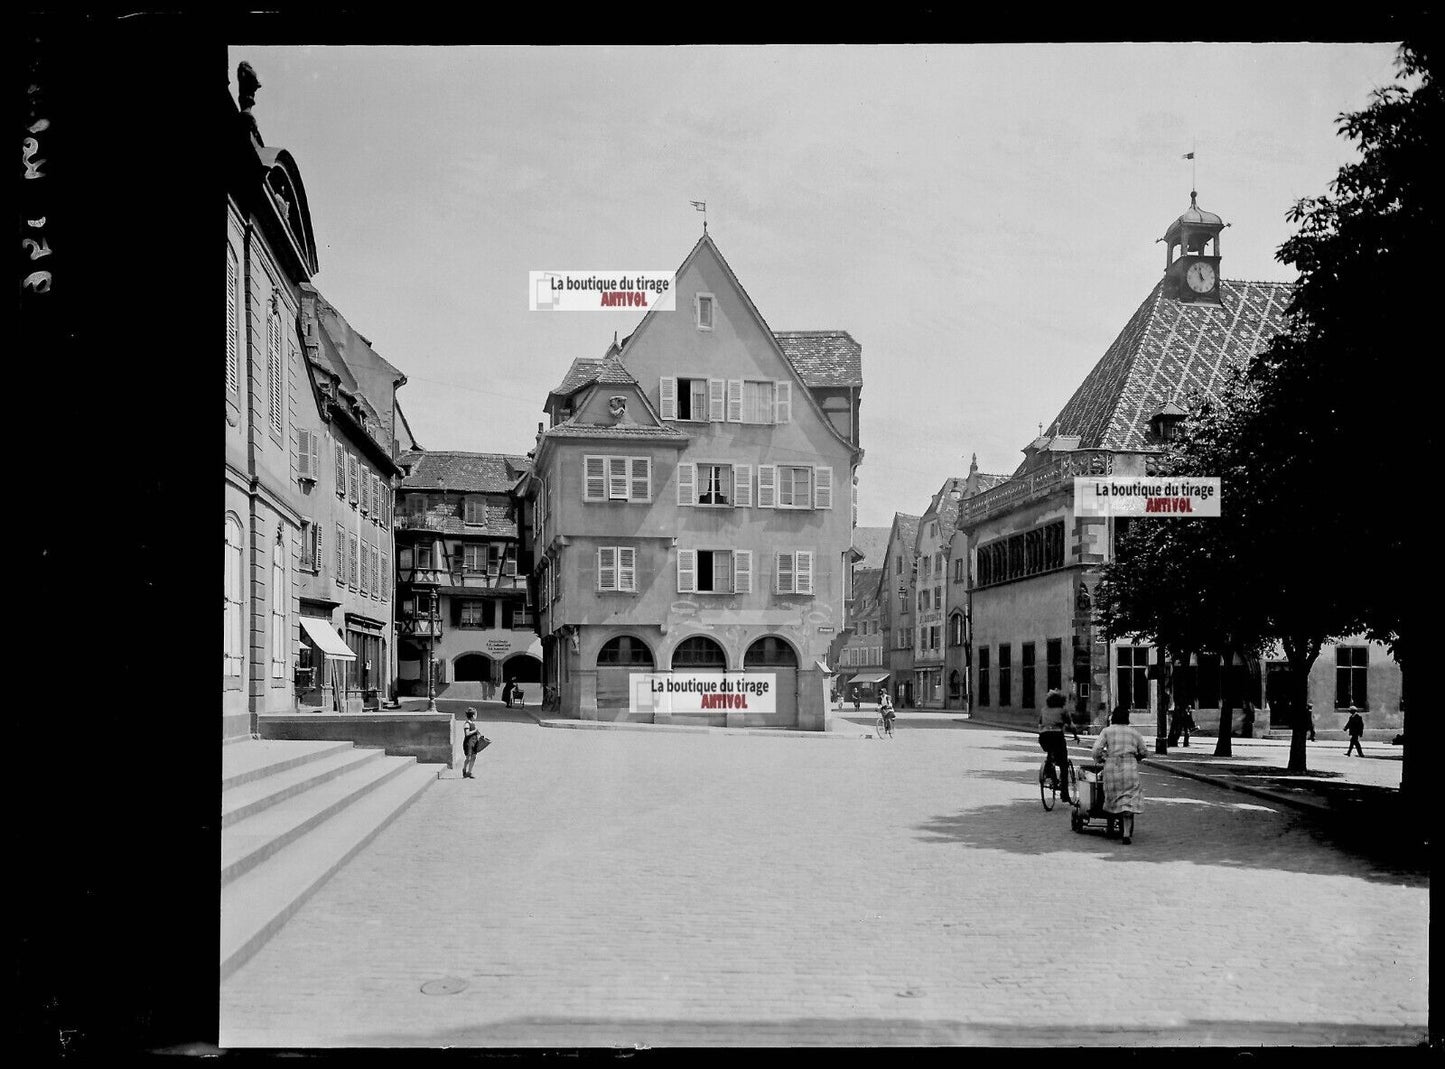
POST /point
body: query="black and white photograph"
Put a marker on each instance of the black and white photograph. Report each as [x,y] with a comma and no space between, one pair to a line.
[743,545]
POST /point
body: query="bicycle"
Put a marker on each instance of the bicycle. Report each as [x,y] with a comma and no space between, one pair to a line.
[883,726]
[1049,782]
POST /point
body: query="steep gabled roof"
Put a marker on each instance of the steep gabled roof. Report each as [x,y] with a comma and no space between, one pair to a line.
[872,542]
[583,372]
[475,473]
[823,357]
[944,508]
[807,397]
[905,529]
[1170,349]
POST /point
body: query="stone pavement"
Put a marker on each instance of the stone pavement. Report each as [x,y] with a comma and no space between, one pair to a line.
[622,888]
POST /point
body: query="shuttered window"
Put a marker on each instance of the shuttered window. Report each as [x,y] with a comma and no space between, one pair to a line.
[308,455]
[235,598]
[341,554]
[233,322]
[617,568]
[794,572]
[274,373]
[615,478]
[278,611]
[353,480]
[352,568]
[340,472]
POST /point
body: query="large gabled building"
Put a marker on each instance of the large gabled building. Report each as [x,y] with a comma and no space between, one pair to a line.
[691,498]
[1035,563]
[895,605]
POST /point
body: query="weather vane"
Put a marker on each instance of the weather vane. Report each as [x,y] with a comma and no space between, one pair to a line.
[701,205]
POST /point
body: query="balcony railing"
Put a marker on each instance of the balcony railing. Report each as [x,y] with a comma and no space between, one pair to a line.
[419,625]
[1044,480]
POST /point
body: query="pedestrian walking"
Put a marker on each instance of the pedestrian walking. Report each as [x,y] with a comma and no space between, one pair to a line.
[1121,748]
[507,693]
[1246,720]
[473,742]
[1355,725]
[1310,712]
[857,701]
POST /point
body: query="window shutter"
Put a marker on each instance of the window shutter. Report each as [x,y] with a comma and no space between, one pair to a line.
[303,454]
[687,484]
[233,358]
[667,397]
[626,568]
[767,486]
[617,478]
[735,400]
[351,560]
[803,572]
[341,554]
[594,479]
[365,490]
[641,479]
[743,485]
[784,573]
[782,402]
[716,399]
[742,571]
[340,472]
[273,368]
[316,546]
[509,559]
[351,478]
[686,571]
[606,568]
[822,488]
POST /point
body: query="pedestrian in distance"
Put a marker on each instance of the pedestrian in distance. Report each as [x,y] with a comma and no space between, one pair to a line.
[1053,721]
[473,741]
[1355,726]
[885,710]
[857,701]
[1310,712]
[1246,720]
[507,693]
[1121,748]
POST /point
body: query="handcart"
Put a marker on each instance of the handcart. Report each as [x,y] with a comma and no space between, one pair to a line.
[1087,792]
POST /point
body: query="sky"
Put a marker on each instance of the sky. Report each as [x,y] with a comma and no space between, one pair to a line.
[982,219]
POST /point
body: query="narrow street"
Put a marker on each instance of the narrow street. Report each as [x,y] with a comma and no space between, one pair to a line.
[655,888]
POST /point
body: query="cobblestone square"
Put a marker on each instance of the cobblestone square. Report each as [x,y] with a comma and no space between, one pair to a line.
[650,888]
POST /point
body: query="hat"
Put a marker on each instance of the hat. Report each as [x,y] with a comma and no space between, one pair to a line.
[1054,699]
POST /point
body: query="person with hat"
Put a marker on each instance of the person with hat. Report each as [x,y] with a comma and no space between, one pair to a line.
[1053,719]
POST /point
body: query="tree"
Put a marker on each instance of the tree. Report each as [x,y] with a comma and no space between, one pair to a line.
[1341,393]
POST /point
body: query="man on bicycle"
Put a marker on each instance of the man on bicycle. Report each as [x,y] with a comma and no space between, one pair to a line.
[1053,719]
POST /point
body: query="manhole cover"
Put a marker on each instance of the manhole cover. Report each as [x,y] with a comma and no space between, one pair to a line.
[447,985]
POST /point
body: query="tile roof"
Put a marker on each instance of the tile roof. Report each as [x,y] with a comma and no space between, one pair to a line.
[493,473]
[944,508]
[582,372]
[872,542]
[1170,349]
[907,527]
[586,370]
[615,430]
[823,357]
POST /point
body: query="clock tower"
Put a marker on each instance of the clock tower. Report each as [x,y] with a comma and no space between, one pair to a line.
[1193,276]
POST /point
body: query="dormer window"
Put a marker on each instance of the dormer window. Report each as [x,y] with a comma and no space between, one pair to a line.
[1167,424]
[704,307]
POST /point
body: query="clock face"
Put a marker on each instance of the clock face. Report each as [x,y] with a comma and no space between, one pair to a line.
[1200,277]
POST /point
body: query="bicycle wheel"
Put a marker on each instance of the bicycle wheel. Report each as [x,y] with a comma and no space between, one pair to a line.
[878,727]
[1048,789]
[1073,778]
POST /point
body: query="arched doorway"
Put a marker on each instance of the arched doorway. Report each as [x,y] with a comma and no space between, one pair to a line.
[776,657]
[699,654]
[522,668]
[617,660]
[472,668]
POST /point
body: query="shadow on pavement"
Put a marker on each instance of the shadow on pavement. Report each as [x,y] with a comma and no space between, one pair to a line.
[544,1031]
[1226,831]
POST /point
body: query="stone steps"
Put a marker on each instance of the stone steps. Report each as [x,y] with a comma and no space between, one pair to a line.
[292,813]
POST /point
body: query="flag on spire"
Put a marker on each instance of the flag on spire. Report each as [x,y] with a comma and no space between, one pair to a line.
[1187,156]
[699,205]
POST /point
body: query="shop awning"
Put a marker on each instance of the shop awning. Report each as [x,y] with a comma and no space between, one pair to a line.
[326,639]
[824,668]
[874,677]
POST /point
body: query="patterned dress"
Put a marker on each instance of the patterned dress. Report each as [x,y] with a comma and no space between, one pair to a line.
[1120,747]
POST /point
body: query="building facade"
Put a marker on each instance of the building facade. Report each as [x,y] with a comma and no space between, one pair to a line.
[270,254]
[347,470]
[691,507]
[896,599]
[462,600]
[1034,563]
[861,668]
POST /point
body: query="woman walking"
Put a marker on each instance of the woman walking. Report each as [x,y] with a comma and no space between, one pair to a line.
[1121,748]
